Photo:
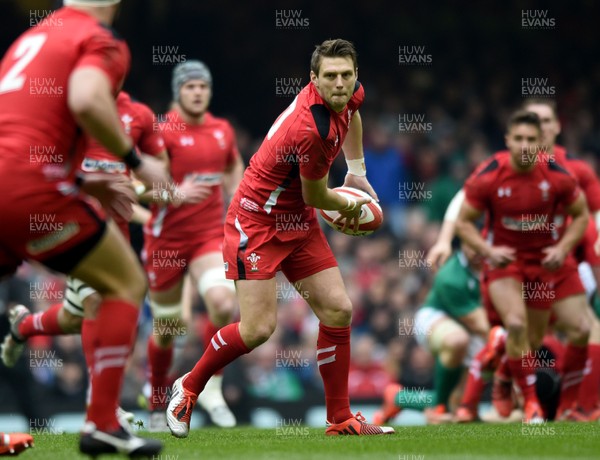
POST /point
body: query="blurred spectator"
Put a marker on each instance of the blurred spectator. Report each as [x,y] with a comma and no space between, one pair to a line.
[367,373]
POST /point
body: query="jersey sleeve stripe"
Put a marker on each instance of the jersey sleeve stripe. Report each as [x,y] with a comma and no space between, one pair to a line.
[272,200]
[489,168]
[553,166]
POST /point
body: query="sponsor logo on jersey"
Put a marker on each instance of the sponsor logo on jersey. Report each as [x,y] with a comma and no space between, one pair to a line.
[248,205]
[207,178]
[108,166]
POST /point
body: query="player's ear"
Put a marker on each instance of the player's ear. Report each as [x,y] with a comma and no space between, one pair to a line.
[314,79]
[356,73]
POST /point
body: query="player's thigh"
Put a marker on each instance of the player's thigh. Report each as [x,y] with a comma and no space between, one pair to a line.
[574,317]
[258,309]
[326,294]
[476,322]
[112,268]
[594,326]
[170,295]
[507,298]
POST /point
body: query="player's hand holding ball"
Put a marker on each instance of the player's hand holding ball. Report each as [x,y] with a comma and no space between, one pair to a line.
[361,217]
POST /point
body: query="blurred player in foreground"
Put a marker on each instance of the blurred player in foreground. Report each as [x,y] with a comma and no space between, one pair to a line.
[288,177]
[57,82]
[81,301]
[527,269]
[453,326]
[188,237]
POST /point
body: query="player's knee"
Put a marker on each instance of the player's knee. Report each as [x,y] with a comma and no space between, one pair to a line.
[457,342]
[516,326]
[221,305]
[579,333]
[257,334]
[167,322]
[338,311]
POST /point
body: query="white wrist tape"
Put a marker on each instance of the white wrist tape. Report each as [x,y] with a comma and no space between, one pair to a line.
[357,167]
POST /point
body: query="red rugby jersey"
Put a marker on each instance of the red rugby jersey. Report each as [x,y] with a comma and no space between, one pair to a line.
[304,140]
[521,206]
[139,123]
[206,149]
[37,129]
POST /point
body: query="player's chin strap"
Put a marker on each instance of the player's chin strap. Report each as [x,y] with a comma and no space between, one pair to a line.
[357,167]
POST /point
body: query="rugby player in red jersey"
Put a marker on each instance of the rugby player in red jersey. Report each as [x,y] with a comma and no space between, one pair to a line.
[80,299]
[520,196]
[587,406]
[58,80]
[188,238]
[288,177]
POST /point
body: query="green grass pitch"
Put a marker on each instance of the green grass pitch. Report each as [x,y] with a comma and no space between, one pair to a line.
[443,442]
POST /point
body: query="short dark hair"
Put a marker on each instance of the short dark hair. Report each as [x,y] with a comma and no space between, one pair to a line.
[333,48]
[540,101]
[523,117]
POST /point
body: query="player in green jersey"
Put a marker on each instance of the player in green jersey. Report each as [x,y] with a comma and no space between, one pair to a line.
[453,326]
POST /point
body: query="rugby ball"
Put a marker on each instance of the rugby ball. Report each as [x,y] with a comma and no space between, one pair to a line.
[371,215]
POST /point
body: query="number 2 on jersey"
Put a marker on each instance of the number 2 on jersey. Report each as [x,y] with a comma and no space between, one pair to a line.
[28,49]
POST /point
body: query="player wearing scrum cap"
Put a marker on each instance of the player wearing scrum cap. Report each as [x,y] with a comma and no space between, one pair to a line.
[188,238]
[287,179]
[86,64]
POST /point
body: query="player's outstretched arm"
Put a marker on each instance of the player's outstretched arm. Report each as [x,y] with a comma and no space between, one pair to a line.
[355,158]
[92,103]
[555,255]
[233,176]
[442,249]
